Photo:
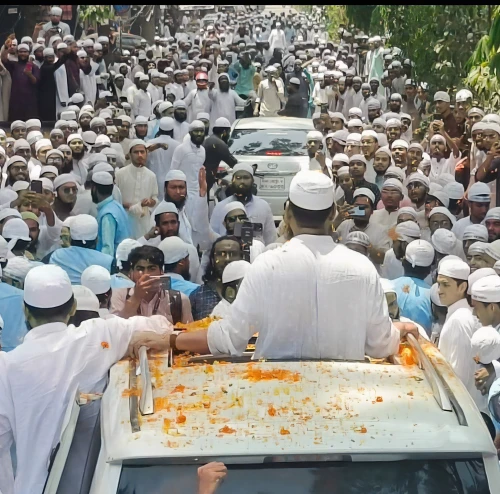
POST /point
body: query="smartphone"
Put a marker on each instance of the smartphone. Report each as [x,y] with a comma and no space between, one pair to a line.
[357,211]
[165,281]
[123,99]
[109,99]
[36,186]
[245,232]
[29,65]
[117,122]
[437,116]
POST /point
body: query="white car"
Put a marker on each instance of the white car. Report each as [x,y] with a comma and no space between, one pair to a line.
[290,427]
[277,145]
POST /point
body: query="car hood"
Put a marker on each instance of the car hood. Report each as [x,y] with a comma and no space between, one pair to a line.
[268,164]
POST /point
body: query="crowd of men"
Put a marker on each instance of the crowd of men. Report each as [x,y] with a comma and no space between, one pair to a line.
[108,231]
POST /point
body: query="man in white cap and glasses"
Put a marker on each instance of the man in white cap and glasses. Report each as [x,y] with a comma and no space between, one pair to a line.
[55,26]
[82,252]
[473,234]
[412,290]
[258,210]
[404,233]
[270,94]
[52,364]
[478,200]
[322,278]
[139,189]
[460,324]
[159,161]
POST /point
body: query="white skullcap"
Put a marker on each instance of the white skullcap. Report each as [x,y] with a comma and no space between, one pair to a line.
[477,275]
[408,231]
[442,96]
[343,158]
[102,178]
[48,52]
[166,207]
[72,137]
[85,299]
[82,54]
[358,157]
[387,285]
[393,183]
[393,122]
[18,267]
[17,124]
[14,159]
[20,185]
[369,133]
[61,46]
[23,46]
[142,76]
[435,296]
[125,247]
[355,111]
[34,136]
[42,143]
[174,249]
[56,11]
[380,121]
[103,167]
[181,104]
[496,267]
[454,190]
[97,278]
[47,184]
[416,145]
[444,241]
[407,210]
[4,250]
[485,344]
[53,132]
[363,191]
[355,122]
[491,118]
[462,95]
[242,167]
[84,228]
[487,289]
[33,122]
[314,135]
[15,229]
[358,238]
[493,249]
[97,46]
[475,232]
[175,175]
[97,121]
[222,123]
[312,191]
[203,116]
[399,143]
[46,287]
[54,152]
[196,125]
[65,178]
[438,137]
[167,124]
[136,142]
[454,268]
[236,270]
[445,211]
[477,248]
[395,171]
[445,179]
[343,170]
[102,140]
[479,192]
[5,213]
[21,144]
[419,253]
[233,205]
[77,98]
[353,138]
[437,191]
[163,106]
[493,214]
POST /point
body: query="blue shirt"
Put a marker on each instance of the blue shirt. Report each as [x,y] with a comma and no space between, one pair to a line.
[180,284]
[414,300]
[12,312]
[245,78]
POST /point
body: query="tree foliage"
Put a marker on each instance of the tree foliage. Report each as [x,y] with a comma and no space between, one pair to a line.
[484,67]
[96,14]
[437,38]
[336,15]
[360,16]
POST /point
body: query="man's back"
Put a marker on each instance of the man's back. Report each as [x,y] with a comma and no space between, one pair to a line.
[309,299]
[12,312]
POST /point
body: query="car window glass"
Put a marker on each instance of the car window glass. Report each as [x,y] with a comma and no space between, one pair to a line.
[268,142]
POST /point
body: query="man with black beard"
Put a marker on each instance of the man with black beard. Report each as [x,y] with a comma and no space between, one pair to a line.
[217,150]
[224,100]
[17,169]
[257,209]
[79,166]
[181,127]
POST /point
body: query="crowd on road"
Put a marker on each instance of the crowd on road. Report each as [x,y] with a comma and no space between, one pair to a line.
[111,230]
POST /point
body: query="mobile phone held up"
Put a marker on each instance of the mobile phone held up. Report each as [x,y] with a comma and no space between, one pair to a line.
[165,281]
[36,186]
[358,211]
[29,66]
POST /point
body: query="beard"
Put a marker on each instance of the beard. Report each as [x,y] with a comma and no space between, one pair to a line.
[78,156]
[180,118]
[178,204]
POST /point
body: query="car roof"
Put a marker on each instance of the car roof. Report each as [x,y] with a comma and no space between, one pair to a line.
[274,123]
[262,409]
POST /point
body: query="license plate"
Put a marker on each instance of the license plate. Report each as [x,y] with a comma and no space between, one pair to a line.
[268,183]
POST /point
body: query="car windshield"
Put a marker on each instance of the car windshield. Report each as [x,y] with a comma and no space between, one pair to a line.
[398,477]
[268,142]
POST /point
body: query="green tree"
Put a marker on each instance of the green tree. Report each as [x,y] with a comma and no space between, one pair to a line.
[360,16]
[437,38]
[484,67]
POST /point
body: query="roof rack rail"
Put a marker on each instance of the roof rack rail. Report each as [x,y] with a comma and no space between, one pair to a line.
[146,403]
[441,394]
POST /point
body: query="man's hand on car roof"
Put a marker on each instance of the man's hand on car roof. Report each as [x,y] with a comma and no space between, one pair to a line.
[210,476]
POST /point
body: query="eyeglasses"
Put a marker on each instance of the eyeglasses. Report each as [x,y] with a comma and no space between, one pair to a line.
[241,217]
[70,190]
[18,168]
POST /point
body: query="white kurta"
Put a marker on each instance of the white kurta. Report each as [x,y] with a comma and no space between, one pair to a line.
[442,166]
[460,226]
[392,267]
[180,130]
[142,104]
[277,39]
[455,345]
[137,184]
[159,160]
[270,97]
[88,83]
[378,237]
[189,158]
[197,101]
[290,296]
[224,105]
[185,229]
[43,373]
